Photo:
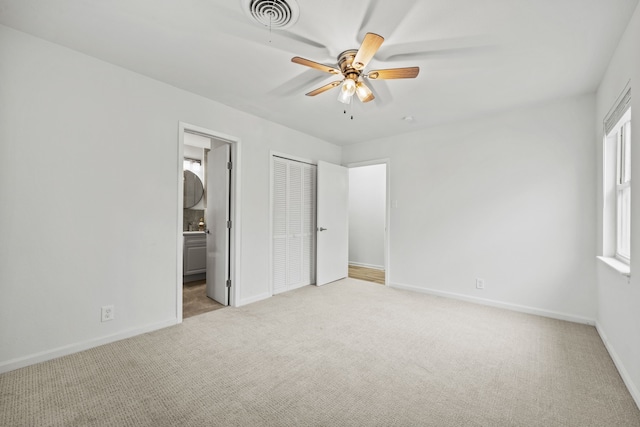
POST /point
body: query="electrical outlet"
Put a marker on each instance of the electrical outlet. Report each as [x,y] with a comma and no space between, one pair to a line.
[479,283]
[108,313]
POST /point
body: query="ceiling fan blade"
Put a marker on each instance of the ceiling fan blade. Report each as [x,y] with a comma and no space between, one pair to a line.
[363,92]
[298,83]
[429,48]
[383,94]
[368,48]
[316,65]
[394,73]
[324,88]
[385,16]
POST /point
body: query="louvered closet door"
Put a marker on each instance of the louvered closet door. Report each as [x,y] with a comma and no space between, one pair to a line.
[294,230]
[279,249]
[294,211]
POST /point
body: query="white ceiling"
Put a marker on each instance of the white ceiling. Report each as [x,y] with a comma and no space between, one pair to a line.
[478,56]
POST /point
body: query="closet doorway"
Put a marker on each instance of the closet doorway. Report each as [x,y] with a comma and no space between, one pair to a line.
[368,221]
[293,223]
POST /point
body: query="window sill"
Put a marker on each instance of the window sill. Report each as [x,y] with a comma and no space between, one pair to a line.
[617,265]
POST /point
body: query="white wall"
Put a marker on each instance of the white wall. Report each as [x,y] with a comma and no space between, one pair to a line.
[367,215]
[89,189]
[509,198]
[618,298]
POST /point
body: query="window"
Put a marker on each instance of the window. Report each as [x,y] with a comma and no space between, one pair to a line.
[617,185]
[623,188]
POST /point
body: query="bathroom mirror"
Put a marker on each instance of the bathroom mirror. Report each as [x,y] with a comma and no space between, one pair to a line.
[193,189]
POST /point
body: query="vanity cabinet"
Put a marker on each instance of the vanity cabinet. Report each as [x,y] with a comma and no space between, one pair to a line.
[195,253]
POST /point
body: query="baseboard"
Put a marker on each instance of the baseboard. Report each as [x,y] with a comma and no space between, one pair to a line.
[633,390]
[253,299]
[32,359]
[362,264]
[498,304]
[194,277]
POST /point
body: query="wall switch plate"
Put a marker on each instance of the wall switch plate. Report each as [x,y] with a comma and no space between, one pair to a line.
[479,283]
[108,313]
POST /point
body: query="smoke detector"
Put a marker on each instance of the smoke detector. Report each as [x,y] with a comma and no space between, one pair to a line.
[274,14]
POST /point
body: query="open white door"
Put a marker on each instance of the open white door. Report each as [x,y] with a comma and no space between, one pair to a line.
[217,217]
[333,223]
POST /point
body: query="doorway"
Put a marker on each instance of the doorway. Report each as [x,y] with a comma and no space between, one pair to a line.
[308,223]
[208,222]
[368,221]
[293,223]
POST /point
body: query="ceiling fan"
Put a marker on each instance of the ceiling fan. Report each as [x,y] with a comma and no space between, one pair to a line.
[351,65]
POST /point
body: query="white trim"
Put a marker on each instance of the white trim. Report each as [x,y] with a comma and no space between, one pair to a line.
[290,157]
[179,225]
[368,163]
[236,187]
[236,241]
[201,141]
[294,287]
[362,264]
[617,265]
[626,378]
[618,109]
[256,298]
[387,243]
[498,304]
[66,350]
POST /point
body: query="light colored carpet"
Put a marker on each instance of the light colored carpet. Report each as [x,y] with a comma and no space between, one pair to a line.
[350,353]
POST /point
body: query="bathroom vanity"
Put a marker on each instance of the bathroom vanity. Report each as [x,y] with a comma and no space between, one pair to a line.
[194,255]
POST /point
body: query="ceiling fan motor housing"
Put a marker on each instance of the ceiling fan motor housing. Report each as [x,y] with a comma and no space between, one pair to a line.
[345,62]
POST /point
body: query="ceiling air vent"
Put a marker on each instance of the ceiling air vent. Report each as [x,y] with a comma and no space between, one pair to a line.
[274,14]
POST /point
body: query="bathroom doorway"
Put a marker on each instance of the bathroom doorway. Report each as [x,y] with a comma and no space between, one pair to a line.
[368,221]
[207,216]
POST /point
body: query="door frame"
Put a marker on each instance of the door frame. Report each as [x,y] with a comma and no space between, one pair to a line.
[234,206]
[387,252]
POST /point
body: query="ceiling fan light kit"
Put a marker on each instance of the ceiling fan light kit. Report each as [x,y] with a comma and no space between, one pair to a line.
[344,97]
[363,92]
[351,65]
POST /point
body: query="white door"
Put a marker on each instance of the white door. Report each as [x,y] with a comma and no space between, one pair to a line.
[217,217]
[332,224]
[293,201]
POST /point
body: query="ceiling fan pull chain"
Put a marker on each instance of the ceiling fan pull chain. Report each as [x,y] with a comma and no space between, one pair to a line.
[270,18]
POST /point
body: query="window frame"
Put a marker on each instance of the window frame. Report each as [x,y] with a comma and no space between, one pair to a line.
[622,187]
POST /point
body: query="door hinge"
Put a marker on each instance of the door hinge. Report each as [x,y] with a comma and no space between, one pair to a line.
[228,283]
[229,165]
[228,224]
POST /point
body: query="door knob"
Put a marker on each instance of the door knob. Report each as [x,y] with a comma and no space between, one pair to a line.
[321,229]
